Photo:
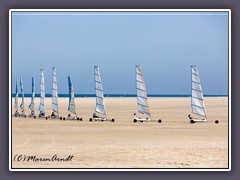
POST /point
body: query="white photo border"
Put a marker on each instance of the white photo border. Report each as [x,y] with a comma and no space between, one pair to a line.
[120,169]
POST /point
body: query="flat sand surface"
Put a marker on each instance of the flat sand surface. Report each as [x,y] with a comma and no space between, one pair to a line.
[174,143]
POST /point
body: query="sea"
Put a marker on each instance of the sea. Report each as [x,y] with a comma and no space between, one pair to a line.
[121,95]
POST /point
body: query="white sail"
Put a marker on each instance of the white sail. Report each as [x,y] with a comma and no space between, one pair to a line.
[22,93]
[71,104]
[142,99]
[197,102]
[42,98]
[54,91]
[31,106]
[16,96]
[100,107]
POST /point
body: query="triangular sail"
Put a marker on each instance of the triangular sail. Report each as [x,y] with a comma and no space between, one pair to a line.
[71,105]
[54,91]
[42,98]
[16,96]
[142,99]
[197,102]
[22,93]
[31,106]
[100,108]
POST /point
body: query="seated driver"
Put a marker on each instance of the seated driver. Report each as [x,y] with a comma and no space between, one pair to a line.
[32,113]
[23,113]
[135,116]
[95,116]
[16,113]
[53,114]
[42,114]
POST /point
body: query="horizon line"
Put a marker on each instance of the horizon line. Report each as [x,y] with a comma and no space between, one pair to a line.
[116,95]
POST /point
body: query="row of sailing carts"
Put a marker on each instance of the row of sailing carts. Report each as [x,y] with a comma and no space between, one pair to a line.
[197,102]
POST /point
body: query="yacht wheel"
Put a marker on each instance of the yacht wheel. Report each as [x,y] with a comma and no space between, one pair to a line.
[192,121]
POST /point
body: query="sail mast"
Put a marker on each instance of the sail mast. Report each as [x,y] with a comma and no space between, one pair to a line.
[100,107]
[42,98]
[197,102]
[31,106]
[71,104]
[16,96]
[54,91]
[142,99]
[22,93]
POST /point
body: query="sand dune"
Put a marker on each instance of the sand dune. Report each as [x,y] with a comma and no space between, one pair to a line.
[175,143]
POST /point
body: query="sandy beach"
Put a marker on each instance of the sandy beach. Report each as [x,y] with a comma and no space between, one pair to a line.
[174,143]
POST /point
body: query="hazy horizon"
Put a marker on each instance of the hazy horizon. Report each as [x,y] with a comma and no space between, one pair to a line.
[164,44]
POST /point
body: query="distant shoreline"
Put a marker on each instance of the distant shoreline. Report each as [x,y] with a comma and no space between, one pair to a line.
[122,95]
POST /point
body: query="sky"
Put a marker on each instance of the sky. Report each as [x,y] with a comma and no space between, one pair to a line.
[164,44]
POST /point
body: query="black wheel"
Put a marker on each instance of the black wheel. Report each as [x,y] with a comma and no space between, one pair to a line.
[64,118]
[60,118]
[134,120]
[34,117]
[159,121]
[216,122]
[141,121]
[46,118]
[192,121]
[90,119]
[113,120]
[25,116]
[80,119]
[102,120]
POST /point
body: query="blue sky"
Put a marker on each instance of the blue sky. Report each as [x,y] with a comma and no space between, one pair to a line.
[164,44]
